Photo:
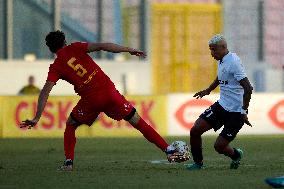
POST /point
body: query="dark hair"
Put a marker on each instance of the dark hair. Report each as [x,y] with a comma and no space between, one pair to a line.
[55,40]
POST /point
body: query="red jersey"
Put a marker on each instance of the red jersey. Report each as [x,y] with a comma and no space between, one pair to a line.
[74,65]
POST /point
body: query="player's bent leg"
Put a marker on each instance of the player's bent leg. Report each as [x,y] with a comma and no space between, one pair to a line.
[200,127]
[222,147]
[69,143]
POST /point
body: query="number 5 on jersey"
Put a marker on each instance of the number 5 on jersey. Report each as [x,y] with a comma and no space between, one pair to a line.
[78,68]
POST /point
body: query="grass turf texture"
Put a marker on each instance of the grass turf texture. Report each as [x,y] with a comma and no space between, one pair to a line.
[125,163]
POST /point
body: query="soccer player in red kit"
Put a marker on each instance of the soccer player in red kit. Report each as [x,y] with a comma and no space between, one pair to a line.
[97,92]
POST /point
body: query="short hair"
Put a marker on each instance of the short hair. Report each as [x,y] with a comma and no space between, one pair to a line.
[55,40]
[216,39]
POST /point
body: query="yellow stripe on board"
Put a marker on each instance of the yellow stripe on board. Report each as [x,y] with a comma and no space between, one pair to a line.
[52,123]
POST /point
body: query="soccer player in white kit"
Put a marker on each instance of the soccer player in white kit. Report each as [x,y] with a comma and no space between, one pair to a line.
[229,111]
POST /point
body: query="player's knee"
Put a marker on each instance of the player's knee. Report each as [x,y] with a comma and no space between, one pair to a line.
[133,117]
[72,121]
[194,132]
[199,127]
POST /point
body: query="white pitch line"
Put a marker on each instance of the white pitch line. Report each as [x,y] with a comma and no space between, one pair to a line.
[162,161]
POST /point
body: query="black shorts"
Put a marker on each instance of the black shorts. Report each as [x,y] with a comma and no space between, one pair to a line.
[217,116]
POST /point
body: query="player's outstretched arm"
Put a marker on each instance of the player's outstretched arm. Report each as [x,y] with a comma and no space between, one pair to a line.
[207,91]
[114,48]
[42,99]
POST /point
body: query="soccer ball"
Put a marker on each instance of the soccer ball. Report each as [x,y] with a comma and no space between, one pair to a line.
[182,148]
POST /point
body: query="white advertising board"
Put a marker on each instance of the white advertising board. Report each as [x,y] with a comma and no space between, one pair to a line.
[266,113]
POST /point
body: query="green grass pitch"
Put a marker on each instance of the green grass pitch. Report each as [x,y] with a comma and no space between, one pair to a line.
[126,163]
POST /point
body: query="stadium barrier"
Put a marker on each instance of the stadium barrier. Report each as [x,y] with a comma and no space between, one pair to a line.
[15,109]
[170,115]
[266,113]
[1,116]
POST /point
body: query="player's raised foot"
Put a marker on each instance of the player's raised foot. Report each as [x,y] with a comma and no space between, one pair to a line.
[275,182]
[194,166]
[67,166]
[236,163]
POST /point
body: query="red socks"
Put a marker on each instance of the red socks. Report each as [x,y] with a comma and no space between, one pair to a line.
[151,135]
[69,141]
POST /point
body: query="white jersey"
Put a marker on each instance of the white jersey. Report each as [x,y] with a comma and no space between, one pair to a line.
[230,72]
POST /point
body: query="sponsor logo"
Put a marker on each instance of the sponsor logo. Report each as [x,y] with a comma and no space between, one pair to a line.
[223,82]
[80,112]
[188,112]
[276,114]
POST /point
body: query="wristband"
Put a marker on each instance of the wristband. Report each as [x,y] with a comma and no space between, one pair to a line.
[245,112]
